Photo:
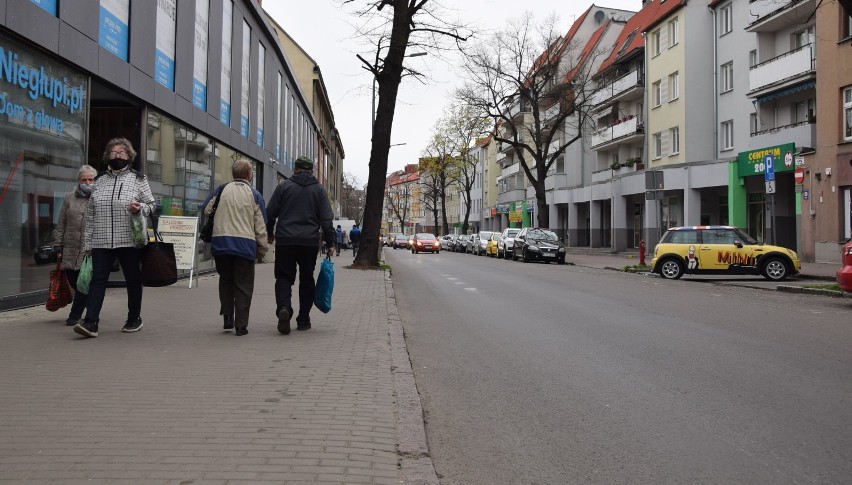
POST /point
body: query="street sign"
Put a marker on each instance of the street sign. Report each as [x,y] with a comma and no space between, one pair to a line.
[800,175]
[770,186]
[788,159]
[769,168]
[806,194]
[800,161]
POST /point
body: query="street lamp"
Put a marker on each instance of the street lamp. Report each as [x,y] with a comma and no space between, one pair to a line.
[373,112]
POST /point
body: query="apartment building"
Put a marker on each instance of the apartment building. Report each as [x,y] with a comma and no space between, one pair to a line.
[492,218]
[330,154]
[402,213]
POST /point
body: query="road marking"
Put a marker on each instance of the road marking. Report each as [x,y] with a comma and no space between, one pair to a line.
[471,289]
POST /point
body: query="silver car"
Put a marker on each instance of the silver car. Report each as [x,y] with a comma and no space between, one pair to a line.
[507,245]
[479,242]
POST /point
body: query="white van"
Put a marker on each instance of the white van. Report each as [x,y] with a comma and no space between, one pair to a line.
[346,226]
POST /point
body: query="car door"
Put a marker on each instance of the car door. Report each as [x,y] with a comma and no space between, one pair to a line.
[722,251]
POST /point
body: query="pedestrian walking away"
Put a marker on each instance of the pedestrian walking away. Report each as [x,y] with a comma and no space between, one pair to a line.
[298,212]
[355,238]
[68,238]
[120,194]
[239,241]
[338,239]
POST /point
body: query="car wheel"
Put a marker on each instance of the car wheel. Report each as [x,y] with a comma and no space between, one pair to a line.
[525,257]
[774,269]
[514,255]
[560,261]
[671,269]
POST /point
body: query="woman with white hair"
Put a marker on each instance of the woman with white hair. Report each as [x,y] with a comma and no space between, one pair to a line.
[68,237]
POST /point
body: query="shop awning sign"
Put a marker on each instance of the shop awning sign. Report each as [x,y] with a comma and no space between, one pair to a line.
[754,162]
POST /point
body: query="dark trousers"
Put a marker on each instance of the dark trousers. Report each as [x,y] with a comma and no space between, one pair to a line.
[355,248]
[287,257]
[129,259]
[236,286]
[338,246]
[79,303]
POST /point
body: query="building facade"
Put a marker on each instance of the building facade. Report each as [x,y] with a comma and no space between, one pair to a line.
[193,84]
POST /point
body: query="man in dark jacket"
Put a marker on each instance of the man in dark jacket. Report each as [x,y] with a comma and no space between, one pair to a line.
[355,239]
[301,208]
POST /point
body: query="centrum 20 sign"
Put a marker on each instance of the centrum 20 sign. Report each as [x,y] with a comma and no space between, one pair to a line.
[754,162]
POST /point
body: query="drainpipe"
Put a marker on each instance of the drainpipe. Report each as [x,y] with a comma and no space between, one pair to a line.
[715,84]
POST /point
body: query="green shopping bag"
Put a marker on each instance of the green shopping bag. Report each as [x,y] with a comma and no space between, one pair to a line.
[85,275]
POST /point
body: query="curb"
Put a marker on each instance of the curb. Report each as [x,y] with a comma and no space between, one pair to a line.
[415,464]
[813,291]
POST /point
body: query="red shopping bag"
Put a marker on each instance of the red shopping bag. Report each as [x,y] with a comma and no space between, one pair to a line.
[59,293]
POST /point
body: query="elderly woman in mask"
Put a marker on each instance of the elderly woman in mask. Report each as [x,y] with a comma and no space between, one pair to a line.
[68,238]
[120,193]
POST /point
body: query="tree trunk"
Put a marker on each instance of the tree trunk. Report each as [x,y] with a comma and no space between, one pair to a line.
[388,81]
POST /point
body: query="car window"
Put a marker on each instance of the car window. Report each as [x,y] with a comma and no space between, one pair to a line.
[512,233]
[542,235]
[683,237]
[426,237]
[718,236]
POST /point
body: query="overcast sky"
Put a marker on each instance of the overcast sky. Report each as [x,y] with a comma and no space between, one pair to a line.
[324,33]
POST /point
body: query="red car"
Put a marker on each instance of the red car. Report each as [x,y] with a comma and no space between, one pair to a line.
[844,275]
[425,242]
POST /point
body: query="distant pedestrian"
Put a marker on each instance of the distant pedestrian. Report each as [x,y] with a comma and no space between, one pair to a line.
[239,240]
[355,238]
[68,238]
[301,209]
[119,194]
[339,236]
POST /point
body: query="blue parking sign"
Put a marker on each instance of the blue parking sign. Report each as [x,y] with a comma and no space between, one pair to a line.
[769,171]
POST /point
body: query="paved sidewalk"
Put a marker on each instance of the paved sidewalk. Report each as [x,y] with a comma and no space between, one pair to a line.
[184,402]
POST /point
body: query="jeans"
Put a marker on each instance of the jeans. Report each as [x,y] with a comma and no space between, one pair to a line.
[236,286]
[129,259]
[79,303]
[287,257]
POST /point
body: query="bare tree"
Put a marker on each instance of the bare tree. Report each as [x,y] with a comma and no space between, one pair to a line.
[431,188]
[398,197]
[352,198]
[392,27]
[437,168]
[535,85]
[463,126]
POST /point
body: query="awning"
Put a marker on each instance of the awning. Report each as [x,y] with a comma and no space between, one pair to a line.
[785,92]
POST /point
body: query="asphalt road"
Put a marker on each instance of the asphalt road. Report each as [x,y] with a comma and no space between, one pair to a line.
[534,373]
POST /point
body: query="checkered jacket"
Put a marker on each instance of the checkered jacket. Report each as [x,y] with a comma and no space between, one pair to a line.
[107,218]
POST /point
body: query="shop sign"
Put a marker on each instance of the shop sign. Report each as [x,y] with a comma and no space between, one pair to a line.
[164,53]
[502,208]
[754,162]
[39,94]
[113,31]
[199,65]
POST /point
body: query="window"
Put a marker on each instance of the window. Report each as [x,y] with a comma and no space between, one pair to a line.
[658,145]
[673,34]
[727,134]
[847,113]
[675,135]
[846,26]
[726,19]
[655,91]
[803,111]
[752,122]
[674,89]
[802,38]
[727,77]
[655,43]
[752,58]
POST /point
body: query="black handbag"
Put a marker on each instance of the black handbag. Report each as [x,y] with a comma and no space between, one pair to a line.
[206,233]
[159,265]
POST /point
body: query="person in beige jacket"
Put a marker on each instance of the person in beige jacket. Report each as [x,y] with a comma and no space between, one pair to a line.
[68,238]
[239,239]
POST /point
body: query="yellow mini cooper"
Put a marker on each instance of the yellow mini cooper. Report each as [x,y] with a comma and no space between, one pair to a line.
[720,250]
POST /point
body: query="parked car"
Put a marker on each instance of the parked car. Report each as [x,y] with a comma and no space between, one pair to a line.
[491,245]
[538,244]
[383,240]
[479,241]
[425,242]
[400,241]
[844,275]
[506,246]
[720,250]
[460,245]
[447,242]
[45,253]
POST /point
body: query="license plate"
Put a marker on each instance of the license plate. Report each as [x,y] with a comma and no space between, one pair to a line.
[549,255]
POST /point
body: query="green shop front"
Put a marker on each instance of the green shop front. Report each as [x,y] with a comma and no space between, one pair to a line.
[763,197]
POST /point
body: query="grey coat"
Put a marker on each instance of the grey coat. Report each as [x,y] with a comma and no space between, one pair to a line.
[68,237]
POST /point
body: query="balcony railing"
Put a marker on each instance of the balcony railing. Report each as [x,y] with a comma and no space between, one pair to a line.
[621,130]
[625,83]
[787,12]
[802,134]
[789,65]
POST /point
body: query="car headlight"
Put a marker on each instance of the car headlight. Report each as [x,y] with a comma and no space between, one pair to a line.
[532,247]
[561,250]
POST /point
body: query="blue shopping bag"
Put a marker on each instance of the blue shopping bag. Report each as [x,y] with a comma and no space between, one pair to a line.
[325,286]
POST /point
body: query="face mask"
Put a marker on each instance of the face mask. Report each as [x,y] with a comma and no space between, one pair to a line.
[86,189]
[118,163]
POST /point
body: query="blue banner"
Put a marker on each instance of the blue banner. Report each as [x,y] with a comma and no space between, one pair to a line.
[48,6]
[164,69]
[199,94]
[244,125]
[113,35]
[225,112]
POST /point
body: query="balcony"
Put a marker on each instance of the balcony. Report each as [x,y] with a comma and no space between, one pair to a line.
[556,181]
[511,196]
[622,88]
[782,71]
[604,175]
[775,15]
[624,131]
[503,157]
[803,134]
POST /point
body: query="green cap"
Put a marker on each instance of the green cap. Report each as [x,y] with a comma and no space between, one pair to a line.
[304,163]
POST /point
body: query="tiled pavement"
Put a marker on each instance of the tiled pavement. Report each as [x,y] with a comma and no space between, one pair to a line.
[184,402]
